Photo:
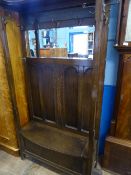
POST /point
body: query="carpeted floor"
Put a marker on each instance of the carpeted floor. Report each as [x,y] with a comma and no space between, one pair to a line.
[10,165]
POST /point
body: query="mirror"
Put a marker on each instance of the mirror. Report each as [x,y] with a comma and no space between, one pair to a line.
[65,42]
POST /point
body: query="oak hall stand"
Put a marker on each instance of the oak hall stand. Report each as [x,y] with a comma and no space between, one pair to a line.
[64,95]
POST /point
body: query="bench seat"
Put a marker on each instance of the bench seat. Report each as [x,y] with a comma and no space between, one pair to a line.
[56,145]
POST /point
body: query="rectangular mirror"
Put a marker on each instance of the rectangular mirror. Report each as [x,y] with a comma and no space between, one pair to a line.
[65,42]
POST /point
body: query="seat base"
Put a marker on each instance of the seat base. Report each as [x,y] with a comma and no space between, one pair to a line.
[56,147]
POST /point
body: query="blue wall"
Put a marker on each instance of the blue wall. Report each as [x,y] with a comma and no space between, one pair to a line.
[111,69]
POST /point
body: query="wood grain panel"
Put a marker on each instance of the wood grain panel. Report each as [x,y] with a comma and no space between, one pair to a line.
[61,91]
[47,89]
[7,128]
[34,81]
[15,49]
[117,157]
[87,98]
[43,83]
[123,129]
[71,76]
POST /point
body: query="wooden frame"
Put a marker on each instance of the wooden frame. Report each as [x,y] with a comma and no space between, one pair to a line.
[100,57]
[101,19]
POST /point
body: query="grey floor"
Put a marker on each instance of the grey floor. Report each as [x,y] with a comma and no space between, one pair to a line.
[10,165]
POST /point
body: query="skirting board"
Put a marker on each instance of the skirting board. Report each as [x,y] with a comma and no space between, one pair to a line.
[10,150]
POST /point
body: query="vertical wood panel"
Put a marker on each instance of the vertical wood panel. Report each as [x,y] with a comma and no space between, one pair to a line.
[47,85]
[7,128]
[14,44]
[71,96]
[61,91]
[87,98]
[123,128]
[43,92]
[102,19]
[34,81]
[42,84]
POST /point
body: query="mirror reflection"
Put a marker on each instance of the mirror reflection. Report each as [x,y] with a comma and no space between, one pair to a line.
[64,42]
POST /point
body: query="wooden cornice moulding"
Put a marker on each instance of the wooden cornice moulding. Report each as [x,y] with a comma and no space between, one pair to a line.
[123,49]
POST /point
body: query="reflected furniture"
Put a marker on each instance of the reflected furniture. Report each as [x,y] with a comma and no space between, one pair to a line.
[53,52]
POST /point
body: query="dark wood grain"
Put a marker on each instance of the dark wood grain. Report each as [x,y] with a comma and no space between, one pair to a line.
[123,127]
[60,99]
[123,49]
[64,94]
[101,35]
[117,156]
[47,92]
[61,91]
[71,88]
[77,91]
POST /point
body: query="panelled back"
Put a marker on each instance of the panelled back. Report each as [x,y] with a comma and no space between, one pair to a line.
[71,87]
[60,91]
[42,83]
